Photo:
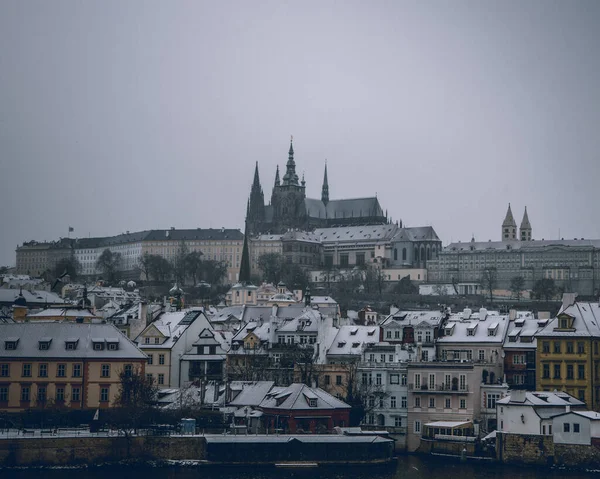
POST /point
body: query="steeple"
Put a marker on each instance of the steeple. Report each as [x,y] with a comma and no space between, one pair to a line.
[290,178]
[525,227]
[245,263]
[325,189]
[256,203]
[509,226]
[277,182]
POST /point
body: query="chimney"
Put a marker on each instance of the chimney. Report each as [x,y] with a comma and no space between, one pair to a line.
[568,299]
[143,312]
[568,408]
[518,395]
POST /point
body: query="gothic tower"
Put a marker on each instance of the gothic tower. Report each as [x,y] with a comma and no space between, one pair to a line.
[525,227]
[255,214]
[509,226]
[325,189]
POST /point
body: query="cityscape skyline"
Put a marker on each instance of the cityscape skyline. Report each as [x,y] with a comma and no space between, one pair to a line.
[447,113]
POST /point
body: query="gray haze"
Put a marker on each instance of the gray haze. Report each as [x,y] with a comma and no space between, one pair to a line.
[120,116]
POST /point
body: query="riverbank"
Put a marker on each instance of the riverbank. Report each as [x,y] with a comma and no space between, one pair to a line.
[90,450]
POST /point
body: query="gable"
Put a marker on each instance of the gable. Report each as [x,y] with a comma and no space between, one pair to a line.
[152,330]
[206,333]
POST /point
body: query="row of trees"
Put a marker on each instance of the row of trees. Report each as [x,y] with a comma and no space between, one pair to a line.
[543,289]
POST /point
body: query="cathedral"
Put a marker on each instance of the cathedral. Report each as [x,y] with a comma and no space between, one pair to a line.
[290,208]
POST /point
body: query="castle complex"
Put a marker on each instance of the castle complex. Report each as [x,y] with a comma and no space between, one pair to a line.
[289,207]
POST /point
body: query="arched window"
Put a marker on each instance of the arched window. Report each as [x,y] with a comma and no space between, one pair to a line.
[395,254]
[423,257]
[417,254]
[428,253]
[403,254]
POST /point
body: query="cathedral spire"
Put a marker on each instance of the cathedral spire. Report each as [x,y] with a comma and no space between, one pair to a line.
[325,189]
[256,203]
[526,229]
[290,178]
[509,226]
[277,182]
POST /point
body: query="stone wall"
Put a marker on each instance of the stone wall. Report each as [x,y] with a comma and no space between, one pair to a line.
[575,455]
[525,449]
[95,450]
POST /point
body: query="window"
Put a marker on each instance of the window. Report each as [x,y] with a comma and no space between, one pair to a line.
[432,402]
[150,359]
[365,379]
[156,340]
[463,382]
[432,382]
[76,370]
[4,370]
[71,345]
[566,427]
[481,355]
[61,370]
[149,377]
[546,347]
[43,370]
[378,379]
[98,346]
[128,370]
[418,426]
[396,334]
[463,403]
[403,379]
[581,394]
[10,345]
[338,380]
[404,402]
[60,394]
[105,371]
[398,422]
[26,373]
[447,403]
[417,381]
[344,260]
[146,340]
[327,380]
[557,371]
[576,427]
[491,400]
[388,335]
[41,394]
[3,394]
[75,394]
[570,374]
[161,359]
[394,379]
[393,402]
[44,345]
[25,393]
[580,347]
[417,402]
[312,402]
[104,394]
[581,371]
[546,372]
[161,379]
[570,349]
[556,347]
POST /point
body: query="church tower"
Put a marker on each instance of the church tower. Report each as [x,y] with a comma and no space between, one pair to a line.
[325,189]
[509,226]
[255,214]
[525,227]
[287,201]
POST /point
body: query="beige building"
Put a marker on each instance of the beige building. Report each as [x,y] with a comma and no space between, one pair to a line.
[263,244]
[70,365]
[34,258]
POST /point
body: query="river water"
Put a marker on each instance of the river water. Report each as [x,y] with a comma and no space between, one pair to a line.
[407,467]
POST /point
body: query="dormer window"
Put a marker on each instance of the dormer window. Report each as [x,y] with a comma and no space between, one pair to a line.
[341,344]
[71,344]
[492,329]
[10,344]
[371,332]
[44,345]
[146,340]
[156,340]
[312,402]
[354,331]
[98,344]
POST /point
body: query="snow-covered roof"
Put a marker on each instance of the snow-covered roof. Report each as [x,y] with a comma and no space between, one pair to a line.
[57,334]
[405,318]
[252,394]
[350,340]
[297,396]
[170,325]
[35,298]
[356,233]
[63,312]
[448,423]
[586,322]
[541,399]
[522,331]
[306,322]
[491,330]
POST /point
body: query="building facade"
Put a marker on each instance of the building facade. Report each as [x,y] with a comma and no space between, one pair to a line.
[69,365]
[36,258]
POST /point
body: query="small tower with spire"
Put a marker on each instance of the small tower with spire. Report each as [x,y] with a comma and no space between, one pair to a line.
[525,230]
[509,226]
[325,189]
[255,213]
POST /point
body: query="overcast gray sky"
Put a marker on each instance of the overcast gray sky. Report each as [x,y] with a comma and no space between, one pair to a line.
[134,115]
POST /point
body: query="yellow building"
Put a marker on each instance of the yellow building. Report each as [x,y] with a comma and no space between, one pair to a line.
[69,365]
[568,357]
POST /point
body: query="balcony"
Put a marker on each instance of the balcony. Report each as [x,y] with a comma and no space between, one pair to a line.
[439,388]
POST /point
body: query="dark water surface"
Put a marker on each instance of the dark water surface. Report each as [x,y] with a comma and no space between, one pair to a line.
[407,467]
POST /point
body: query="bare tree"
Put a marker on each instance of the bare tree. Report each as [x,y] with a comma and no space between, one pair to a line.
[489,280]
[516,286]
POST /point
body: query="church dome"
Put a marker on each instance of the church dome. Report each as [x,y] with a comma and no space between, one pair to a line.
[20,300]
